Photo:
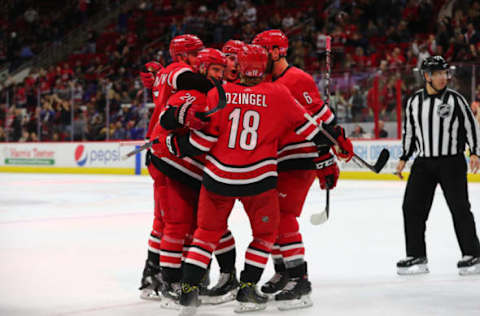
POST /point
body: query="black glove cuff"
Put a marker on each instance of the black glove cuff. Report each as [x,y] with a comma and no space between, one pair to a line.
[168,120]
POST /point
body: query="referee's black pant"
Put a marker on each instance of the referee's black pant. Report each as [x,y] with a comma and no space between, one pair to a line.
[451,174]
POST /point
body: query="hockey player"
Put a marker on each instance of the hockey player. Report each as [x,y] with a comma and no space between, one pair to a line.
[182,176]
[299,163]
[183,50]
[231,49]
[151,278]
[241,142]
[225,289]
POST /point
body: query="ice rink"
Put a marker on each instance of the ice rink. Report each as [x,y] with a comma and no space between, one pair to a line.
[76,245]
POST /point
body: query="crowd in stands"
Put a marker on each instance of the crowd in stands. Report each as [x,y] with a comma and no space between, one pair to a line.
[375,45]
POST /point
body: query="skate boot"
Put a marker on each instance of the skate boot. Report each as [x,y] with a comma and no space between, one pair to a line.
[224,291]
[249,299]
[171,294]
[295,295]
[204,283]
[276,283]
[412,265]
[151,282]
[189,300]
[469,265]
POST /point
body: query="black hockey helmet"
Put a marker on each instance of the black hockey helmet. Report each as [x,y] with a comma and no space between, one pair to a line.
[433,63]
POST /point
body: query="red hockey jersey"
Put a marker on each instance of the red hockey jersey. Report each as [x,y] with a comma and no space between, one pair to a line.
[294,152]
[242,139]
[165,85]
[186,170]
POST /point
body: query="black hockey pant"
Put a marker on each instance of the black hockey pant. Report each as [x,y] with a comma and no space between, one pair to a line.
[451,174]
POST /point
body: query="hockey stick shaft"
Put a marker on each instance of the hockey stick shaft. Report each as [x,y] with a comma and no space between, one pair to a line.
[327,207]
[147,145]
[322,217]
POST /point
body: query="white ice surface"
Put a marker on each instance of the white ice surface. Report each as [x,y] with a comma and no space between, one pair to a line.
[76,245]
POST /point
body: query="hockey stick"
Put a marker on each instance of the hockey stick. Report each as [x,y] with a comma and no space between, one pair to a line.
[381,160]
[320,218]
[141,148]
[222,102]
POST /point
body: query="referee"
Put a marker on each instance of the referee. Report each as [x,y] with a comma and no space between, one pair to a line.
[438,123]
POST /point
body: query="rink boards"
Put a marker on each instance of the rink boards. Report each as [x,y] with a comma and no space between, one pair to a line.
[106,158]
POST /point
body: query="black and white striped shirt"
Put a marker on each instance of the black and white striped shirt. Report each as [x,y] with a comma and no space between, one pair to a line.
[439,125]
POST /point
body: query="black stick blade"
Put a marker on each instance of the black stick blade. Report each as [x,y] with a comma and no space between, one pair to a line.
[382,160]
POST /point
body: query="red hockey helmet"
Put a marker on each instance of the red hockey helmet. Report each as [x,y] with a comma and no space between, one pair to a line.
[271,39]
[232,47]
[184,44]
[252,61]
[210,56]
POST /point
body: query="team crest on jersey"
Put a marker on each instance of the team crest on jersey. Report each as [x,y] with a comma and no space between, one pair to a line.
[445,110]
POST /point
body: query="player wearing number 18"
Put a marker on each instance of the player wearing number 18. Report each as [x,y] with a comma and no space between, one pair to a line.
[241,143]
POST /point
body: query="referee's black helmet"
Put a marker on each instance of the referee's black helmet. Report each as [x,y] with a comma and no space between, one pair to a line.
[433,63]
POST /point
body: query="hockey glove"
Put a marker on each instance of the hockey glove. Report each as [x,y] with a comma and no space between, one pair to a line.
[147,74]
[166,146]
[187,115]
[344,150]
[327,171]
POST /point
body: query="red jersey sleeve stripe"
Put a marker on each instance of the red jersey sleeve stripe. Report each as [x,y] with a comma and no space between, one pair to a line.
[324,115]
[300,130]
[207,137]
[308,131]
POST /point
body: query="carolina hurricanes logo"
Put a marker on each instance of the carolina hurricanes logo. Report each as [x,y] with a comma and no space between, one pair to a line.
[80,155]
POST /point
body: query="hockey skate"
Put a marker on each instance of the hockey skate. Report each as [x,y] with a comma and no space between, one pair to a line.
[224,291]
[204,283]
[249,299]
[171,294]
[295,295]
[189,300]
[151,282]
[412,266]
[469,265]
[275,284]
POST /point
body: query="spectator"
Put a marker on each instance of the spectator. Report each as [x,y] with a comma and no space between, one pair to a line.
[31,15]
[395,59]
[250,13]
[422,55]
[382,133]
[288,22]
[298,54]
[3,135]
[25,136]
[358,104]
[341,107]
[358,132]
[120,133]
